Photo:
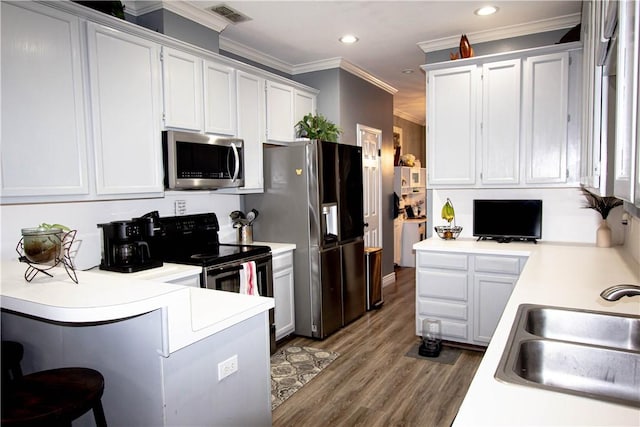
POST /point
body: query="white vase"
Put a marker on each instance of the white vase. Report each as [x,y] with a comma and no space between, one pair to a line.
[603,235]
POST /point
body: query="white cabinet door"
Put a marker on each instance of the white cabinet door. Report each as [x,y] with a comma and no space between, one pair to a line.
[280,112]
[251,128]
[283,294]
[546,83]
[501,122]
[219,99]
[43,107]
[626,99]
[182,86]
[305,103]
[490,296]
[124,73]
[451,125]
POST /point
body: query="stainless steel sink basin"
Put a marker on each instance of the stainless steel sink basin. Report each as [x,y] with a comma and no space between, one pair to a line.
[587,327]
[586,353]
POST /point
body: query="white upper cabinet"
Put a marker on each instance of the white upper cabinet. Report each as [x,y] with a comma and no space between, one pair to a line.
[124,72]
[512,110]
[183,90]
[44,144]
[627,100]
[501,122]
[546,91]
[452,96]
[199,94]
[251,127]
[219,99]
[280,112]
[286,105]
[305,103]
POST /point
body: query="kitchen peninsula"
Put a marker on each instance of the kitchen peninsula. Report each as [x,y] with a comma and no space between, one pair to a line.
[158,345]
[562,275]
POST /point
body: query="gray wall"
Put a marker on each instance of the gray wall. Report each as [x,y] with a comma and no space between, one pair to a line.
[253,63]
[328,101]
[172,25]
[499,46]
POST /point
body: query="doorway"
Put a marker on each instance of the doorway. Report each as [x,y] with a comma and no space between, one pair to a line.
[370,139]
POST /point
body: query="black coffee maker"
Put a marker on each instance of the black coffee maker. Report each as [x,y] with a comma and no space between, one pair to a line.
[124,245]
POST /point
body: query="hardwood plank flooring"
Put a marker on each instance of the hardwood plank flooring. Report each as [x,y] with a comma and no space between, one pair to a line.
[372,383]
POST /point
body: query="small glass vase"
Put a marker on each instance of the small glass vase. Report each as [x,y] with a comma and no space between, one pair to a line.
[603,235]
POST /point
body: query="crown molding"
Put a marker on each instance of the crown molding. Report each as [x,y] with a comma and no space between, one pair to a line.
[254,55]
[137,7]
[409,117]
[325,64]
[328,64]
[541,26]
[183,8]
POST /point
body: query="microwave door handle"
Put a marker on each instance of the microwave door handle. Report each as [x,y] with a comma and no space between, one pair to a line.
[237,158]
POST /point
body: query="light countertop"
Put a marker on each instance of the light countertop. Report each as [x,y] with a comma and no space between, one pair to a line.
[563,275]
[190,314]
[167,273]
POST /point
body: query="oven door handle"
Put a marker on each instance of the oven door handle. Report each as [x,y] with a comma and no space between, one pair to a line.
[224,270]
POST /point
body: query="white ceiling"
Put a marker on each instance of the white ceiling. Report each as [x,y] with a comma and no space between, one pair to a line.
[300,36]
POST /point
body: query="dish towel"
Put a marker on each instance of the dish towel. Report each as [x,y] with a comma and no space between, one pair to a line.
[248,279]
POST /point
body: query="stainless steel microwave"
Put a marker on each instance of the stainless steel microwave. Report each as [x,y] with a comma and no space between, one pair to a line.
[193,161]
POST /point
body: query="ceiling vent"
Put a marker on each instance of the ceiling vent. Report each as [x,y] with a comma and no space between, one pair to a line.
[229,14]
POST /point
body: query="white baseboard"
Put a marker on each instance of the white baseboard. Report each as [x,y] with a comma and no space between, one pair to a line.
[389,279]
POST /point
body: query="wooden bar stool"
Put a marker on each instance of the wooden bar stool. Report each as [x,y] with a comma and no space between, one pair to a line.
[54,397]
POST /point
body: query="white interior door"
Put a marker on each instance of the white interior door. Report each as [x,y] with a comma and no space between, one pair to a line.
[370,140]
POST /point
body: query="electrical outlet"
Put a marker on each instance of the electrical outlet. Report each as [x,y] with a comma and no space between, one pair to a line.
[227,367]
[180,207]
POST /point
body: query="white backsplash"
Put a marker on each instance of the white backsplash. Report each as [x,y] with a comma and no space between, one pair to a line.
[84,217]
[563,217]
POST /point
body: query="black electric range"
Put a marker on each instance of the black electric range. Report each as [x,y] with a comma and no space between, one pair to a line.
[193,240]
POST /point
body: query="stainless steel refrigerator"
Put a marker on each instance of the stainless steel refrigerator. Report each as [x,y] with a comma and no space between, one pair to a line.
[313,197]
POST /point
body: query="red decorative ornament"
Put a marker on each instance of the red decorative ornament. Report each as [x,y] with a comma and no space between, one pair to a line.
[466,51]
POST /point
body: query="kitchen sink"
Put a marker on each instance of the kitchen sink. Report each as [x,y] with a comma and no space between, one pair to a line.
[587,327]
[585,353]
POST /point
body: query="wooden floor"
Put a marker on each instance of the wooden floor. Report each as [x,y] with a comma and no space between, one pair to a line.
[372,383]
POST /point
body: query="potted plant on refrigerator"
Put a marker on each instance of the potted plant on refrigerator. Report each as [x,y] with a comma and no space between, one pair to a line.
[317,127]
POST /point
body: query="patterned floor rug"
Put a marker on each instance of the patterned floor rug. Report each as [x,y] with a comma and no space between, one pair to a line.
[292,367]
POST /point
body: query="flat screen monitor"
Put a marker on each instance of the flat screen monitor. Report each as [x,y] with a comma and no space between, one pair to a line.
[507,220]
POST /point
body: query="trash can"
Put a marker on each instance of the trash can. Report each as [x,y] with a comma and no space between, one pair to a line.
[373,271]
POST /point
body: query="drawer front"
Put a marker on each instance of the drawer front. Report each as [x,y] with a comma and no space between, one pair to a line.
[282,261]
[497,264]
[450,329]
[442,260]
[442,284]
[443,309]
[455,331]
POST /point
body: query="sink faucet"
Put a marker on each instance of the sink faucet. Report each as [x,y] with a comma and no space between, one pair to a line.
[614,293]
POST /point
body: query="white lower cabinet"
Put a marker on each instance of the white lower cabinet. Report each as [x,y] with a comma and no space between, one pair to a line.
[466,292]
[283,294]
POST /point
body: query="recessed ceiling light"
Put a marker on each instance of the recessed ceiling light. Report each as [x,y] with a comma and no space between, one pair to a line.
[407,71]
[348,39]
[486,10]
